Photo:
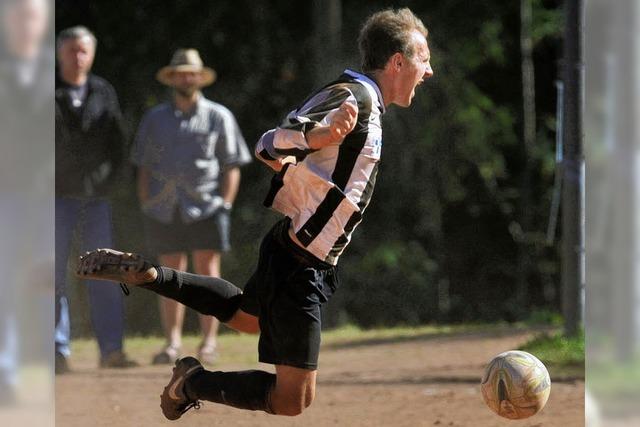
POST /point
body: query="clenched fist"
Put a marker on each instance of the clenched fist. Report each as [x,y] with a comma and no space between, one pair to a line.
[335,126]
[344,119]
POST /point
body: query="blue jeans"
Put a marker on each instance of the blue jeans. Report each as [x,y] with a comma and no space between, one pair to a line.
[89,223]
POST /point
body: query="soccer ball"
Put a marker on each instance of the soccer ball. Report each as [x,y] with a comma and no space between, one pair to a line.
[515,385]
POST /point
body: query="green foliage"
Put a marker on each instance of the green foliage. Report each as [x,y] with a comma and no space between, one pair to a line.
[546,22]
[557,349]
[392,285]
[545,317]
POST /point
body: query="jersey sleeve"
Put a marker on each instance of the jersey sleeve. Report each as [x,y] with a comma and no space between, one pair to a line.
[289,139]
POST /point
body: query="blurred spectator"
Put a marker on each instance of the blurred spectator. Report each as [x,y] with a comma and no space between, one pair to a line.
[188,151]
[90,149]
[26,92]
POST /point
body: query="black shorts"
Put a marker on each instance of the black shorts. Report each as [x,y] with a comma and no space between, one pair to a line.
[286,292]
[209,233]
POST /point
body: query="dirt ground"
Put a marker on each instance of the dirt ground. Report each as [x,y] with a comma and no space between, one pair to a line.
[421,381]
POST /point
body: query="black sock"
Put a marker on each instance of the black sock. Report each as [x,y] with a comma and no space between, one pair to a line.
[205,294]
[245,390]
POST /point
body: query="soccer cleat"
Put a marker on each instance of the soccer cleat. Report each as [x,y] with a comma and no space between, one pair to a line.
[174,400]
[109,264]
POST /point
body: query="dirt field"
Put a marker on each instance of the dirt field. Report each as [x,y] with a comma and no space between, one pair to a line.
[419,381]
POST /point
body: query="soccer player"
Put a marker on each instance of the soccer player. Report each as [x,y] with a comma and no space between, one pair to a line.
[326,155]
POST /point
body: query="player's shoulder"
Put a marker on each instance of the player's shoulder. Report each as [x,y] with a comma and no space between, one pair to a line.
[362,94]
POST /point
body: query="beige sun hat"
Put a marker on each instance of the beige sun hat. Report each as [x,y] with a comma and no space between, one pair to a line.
[186,60]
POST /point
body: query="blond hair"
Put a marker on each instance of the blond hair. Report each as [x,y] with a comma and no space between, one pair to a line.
[386,32]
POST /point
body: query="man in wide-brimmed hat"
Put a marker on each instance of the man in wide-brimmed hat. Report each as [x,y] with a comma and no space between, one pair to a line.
[188,152]
[184,62]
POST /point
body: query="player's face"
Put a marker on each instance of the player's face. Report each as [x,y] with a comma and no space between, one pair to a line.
[186,83]
[414,70]
[76,55]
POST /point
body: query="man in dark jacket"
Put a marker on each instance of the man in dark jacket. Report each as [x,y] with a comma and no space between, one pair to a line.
[90,147]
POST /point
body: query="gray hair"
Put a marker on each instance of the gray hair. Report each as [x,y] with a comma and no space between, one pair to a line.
[74,33]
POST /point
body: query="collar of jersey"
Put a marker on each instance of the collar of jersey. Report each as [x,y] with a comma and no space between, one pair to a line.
[368,80]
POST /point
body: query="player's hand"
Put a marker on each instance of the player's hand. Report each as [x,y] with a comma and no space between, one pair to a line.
[343,120]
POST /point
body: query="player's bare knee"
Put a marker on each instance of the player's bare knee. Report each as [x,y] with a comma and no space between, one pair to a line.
[290,409]
[308,400]
[292,405]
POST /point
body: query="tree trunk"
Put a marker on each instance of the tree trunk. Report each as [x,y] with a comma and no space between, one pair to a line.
[529,139]
[327,35]
[573,170]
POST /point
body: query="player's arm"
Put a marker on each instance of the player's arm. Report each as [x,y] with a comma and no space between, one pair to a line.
[338,125]
[323,121]
[267,155]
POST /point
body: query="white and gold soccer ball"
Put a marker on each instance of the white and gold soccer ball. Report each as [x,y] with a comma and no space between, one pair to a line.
[515,385]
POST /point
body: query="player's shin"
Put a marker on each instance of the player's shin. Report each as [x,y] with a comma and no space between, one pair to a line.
[245,389]
[207,295]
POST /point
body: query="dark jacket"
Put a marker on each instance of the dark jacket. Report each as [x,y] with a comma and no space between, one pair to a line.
[90,143]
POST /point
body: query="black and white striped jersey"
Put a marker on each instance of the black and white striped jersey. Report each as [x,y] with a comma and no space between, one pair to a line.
[326,192]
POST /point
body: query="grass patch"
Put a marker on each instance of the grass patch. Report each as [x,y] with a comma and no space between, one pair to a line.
[355,334]
[557,349]
[563,356]
[235,348]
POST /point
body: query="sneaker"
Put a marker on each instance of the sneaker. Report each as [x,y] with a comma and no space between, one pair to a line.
[167,356]
[174,400]
[109,264]
[117,359]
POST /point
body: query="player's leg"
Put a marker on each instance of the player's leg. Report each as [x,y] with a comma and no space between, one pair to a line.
[207,263]
[289,294]
[244,322]
[294,391]
[207,295]
[171,313]
[289,392]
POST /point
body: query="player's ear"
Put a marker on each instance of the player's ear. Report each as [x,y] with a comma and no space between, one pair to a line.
[396,61]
